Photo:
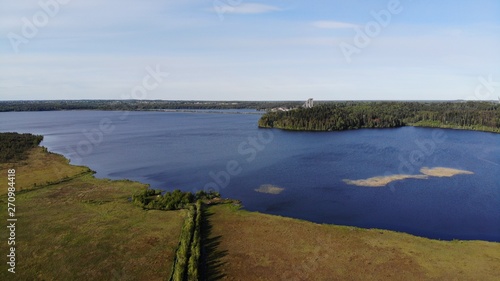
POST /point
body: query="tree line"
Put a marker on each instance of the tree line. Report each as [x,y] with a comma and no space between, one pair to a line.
[137,105]
[187,257]
[15,146]
[338,116]
[153,199]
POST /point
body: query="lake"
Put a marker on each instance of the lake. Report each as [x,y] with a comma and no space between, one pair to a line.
[299,174]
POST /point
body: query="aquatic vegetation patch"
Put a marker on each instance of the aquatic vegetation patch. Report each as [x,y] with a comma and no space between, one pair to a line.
[269,189]
[426,173]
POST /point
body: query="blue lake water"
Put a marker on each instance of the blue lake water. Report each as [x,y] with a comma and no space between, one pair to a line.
[227,152]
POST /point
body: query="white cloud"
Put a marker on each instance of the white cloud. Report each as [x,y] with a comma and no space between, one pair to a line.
[245,8]
[333,24]
[104,55]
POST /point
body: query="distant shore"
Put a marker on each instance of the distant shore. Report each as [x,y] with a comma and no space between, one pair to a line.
[474,116]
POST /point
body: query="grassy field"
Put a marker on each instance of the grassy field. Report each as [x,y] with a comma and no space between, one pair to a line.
[42,168]
[253,246]
[72,226]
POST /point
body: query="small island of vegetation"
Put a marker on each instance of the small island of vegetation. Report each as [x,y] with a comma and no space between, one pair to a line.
[426,173]
[339,116]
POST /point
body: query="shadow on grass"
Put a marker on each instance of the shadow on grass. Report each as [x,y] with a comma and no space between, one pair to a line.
[211,264]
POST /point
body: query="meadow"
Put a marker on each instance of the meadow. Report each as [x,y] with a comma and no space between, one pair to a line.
[254,246]
[72,226]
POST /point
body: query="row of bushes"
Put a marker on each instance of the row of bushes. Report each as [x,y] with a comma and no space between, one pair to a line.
[188,253]
[194,258]
[187,257]
[153,199]
[182,254]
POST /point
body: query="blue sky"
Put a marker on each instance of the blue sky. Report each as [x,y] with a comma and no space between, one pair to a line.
[249,50]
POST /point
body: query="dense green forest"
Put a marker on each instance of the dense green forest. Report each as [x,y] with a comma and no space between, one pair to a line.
[337,116]
[135,105]
[154,200]
[14,146]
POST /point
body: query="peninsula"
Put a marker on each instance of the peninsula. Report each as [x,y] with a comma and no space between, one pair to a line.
[339,116]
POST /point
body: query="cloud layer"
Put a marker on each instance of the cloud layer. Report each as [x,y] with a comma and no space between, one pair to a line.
[274,50]
[243,8]
[333,24]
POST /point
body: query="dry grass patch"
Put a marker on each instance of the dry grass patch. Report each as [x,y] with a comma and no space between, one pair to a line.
[426,174]
[383,181]
[42,168]
[86,228]
[269,189]
[443,172]
[264,247]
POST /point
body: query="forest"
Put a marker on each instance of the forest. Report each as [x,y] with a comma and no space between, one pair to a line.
[14,146]
[153,199]
[137,105]
[338,116]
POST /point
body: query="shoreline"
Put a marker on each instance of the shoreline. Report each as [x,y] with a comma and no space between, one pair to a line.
[444,127]
[278,191]
[43,152]
[228,111]
[86,217]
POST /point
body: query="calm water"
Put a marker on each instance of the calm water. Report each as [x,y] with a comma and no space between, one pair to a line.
[228,152]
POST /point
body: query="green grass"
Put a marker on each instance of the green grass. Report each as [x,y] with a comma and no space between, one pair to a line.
[254,246]
[84,228]
[42,168]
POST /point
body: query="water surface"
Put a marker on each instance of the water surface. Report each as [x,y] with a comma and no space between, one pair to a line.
[227,152]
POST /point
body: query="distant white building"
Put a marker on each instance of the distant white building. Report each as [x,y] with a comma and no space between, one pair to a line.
[276,109]
[309,103]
